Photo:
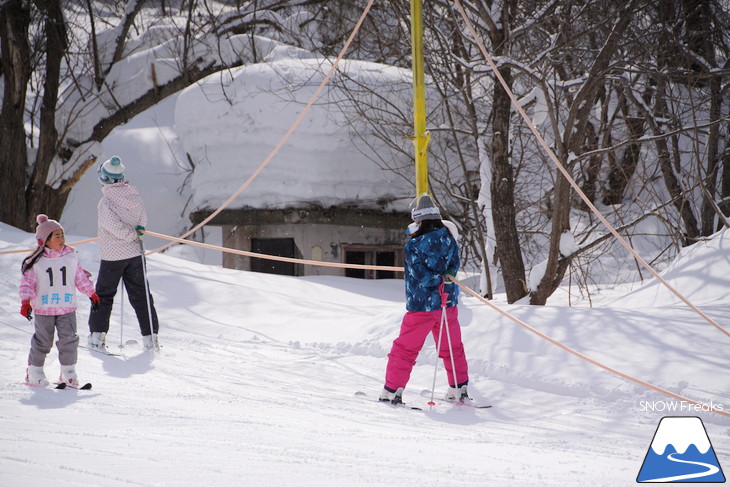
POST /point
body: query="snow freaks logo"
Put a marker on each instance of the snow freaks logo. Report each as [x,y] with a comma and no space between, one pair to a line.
[681,452]
[681,407]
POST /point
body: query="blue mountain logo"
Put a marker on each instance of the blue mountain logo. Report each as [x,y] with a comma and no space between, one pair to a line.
[681,452]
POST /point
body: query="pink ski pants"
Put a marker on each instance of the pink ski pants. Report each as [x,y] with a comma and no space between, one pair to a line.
[414,329]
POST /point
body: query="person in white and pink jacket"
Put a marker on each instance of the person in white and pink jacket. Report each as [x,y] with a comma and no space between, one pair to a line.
[51,275]
[121,218]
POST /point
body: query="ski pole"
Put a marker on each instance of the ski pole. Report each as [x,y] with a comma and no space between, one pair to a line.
[121,318]
[147,293]
[444,297]
[438,350]
[451,349]
[444,323]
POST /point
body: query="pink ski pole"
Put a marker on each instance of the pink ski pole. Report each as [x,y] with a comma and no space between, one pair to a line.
[444,323]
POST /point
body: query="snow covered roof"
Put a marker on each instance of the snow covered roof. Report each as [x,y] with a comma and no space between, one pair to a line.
[230,123]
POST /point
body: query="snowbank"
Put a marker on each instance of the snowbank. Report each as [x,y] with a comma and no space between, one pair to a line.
[701,273]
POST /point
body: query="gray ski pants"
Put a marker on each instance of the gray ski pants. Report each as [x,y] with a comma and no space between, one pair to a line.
[42,341]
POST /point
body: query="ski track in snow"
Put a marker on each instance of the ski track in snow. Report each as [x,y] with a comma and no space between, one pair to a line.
[213,422]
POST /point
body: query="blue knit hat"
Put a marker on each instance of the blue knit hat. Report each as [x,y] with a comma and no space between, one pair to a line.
[112,171]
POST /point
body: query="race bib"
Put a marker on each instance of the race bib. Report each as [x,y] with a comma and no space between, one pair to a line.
[56,281]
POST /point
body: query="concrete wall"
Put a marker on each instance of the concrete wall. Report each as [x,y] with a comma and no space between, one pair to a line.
[321,235]
[312,242]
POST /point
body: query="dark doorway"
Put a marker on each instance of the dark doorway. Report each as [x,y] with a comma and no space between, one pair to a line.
[280,247]
[355,257]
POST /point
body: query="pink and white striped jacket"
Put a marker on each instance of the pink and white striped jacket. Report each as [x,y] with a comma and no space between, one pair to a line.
[29,285]
[120,211]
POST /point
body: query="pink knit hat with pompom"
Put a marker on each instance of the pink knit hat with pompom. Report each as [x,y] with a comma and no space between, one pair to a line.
[45,228]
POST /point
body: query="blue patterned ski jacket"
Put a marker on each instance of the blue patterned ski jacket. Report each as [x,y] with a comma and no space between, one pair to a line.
[427,258]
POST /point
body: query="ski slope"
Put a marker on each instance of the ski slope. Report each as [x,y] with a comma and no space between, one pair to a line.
[255,385]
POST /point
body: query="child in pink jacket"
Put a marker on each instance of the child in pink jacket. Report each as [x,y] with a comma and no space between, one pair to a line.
[50,277]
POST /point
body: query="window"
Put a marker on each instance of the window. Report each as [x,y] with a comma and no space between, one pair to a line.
[373,255]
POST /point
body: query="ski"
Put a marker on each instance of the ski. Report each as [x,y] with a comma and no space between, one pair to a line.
[363,395]
[63,385]
[49,386]
[468,403]
[100,351]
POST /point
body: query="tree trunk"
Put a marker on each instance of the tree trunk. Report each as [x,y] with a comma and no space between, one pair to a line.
[15,55]
[725,181]
[508,247]
[39,197]
[681,203]
[556,264]
[590,168]
[574,136]
[712,169]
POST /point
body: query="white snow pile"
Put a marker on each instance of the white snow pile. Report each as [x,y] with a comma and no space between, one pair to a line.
[250,109]
[255,385]
[700,273]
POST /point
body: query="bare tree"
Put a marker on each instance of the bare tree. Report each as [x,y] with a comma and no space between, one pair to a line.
[631,96]
[73,58]
[539,46]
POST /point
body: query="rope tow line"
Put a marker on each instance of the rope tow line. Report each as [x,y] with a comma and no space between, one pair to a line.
[569,178]
[25,251]
[246,253]
[703,406]
[289,132]
[273,257]
[470,291]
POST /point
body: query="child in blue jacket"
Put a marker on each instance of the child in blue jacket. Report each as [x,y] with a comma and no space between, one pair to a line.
[431,253]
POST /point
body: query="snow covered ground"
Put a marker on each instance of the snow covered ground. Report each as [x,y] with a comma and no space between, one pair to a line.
[256,382]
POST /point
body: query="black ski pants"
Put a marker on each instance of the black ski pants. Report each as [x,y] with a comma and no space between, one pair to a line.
[131,272]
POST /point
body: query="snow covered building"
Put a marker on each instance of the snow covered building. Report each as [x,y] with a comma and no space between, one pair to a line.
[320,198]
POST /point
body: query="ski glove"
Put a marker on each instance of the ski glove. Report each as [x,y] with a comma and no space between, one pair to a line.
[94,301]
[25,309]
[448,275]
[140,230]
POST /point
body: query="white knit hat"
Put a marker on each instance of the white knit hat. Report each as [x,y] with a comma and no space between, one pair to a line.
[112,171]
[425,210]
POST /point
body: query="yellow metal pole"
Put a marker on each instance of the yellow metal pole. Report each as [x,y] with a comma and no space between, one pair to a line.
[421,136]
